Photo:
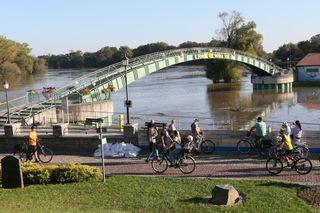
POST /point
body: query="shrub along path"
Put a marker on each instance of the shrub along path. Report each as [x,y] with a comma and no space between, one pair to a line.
[217,165]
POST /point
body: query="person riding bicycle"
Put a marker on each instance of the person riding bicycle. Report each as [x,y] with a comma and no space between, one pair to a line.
[260,128]
[172,127]
[296,132]
[196,131]
[165,137]
[286,127]
[176,141]
[32,143]
[286,145]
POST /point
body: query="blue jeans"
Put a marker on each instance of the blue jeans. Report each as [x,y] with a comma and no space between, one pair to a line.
[173,155]
[154,152]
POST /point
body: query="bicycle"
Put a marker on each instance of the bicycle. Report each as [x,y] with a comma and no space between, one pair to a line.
[205,146]
[185,163]
[45,154]
[302,166]
[300,149]
[246,145]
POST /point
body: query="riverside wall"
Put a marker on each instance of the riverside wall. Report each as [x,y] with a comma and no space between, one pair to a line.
[82,144]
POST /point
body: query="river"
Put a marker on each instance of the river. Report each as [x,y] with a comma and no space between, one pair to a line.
[184,93]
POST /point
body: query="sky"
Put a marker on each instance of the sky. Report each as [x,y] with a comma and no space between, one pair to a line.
[61,26]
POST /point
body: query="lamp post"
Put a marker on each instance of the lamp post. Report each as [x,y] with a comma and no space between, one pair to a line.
[288,60]
[6,87]
[127,103]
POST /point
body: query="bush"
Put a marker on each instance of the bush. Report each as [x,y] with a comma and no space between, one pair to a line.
[70,173]
[35,174]
[74,173]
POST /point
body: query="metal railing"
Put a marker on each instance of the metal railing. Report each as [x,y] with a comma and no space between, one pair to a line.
[117,69]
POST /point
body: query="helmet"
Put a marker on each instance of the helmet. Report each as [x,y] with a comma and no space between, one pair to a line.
[285,123]
[190,138]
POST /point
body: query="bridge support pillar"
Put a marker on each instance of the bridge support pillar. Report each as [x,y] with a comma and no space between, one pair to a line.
[281,83]
[130,133]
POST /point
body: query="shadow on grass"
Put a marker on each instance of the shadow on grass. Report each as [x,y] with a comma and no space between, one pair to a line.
[197,200]
[280,184]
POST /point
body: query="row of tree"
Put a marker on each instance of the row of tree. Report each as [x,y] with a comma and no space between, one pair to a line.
[15,59]
[292,53]
[235,33]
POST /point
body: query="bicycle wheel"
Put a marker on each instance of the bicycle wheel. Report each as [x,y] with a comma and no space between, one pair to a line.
[159,165]
[23,157]
[187,164]
[274,166]
[45,155]
[207,146]
[244,146]
[303,166]
[302,151]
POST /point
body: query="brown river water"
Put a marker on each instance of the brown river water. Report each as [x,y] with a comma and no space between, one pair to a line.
[184,93]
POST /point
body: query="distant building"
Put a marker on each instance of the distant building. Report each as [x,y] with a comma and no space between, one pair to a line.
[308,68]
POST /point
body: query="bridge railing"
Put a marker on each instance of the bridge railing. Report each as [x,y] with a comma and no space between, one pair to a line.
[13,104]
[117,68]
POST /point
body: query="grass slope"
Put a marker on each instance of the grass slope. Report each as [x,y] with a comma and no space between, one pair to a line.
[151,194]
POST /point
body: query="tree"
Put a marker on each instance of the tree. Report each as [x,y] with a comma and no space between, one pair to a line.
[15,58]
[76,59]
[230,25]
[315,43]
[234,34]
[39,65]
[287,51]
[151,48]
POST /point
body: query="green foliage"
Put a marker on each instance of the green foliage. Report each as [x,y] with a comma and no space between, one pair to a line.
[227,71]
[37,174]
[9,69]
[74,173]
[295,52]
[15,59]
[234,34]
[39,65]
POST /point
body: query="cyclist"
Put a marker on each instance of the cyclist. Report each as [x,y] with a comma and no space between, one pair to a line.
[296,132]
[176,141]
[32,143]
[172,127]
[260,128]
[286,145]
[286,127]
[165,137]
[152,136]
[196,131]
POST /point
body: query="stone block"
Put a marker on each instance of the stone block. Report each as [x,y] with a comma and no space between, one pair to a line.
[59,129]
[11,129]
[11,172]
[130,133]
[224,195]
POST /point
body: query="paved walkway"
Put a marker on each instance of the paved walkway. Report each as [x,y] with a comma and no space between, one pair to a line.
[217,165]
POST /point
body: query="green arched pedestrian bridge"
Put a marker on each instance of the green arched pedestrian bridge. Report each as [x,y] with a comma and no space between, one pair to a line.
[100,83]
[112,77]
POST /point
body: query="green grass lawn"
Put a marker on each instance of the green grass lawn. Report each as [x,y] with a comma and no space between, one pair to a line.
[151,194]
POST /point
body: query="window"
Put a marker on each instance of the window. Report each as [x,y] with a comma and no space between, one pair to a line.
[312,70]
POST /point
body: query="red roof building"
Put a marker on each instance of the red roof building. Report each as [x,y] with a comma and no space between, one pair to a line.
[308,68]
[312,59]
